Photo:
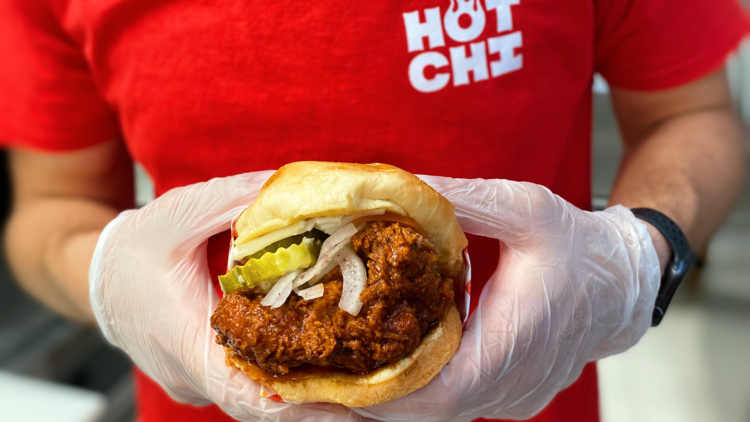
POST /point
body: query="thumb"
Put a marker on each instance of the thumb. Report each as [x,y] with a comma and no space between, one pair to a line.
[187,216]
[512,212]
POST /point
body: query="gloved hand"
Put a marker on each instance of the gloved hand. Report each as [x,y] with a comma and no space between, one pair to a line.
[571,287]
[152,295]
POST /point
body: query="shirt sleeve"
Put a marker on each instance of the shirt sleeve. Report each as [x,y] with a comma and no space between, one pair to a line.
[48,98]
[659,44]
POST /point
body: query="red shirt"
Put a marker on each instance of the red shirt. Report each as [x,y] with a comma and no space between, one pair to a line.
[491,89]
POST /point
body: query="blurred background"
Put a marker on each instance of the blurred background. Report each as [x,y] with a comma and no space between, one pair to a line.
[695,367]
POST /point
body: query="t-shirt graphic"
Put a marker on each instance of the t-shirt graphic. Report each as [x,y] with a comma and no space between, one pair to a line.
[463,21]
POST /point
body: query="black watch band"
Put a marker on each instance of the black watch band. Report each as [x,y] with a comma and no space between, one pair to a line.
[682,259]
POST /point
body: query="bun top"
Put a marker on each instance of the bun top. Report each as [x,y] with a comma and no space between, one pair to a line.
[310,189]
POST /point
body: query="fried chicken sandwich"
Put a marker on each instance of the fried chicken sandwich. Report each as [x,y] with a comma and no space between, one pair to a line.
[341,284]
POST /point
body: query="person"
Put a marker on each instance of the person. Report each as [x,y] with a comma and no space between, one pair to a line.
[493,89]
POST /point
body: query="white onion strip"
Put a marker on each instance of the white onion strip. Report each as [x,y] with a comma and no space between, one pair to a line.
[349,218]
[319,276]
[355,280]
[327,225]
[311,293]
[330,247]
[280,291]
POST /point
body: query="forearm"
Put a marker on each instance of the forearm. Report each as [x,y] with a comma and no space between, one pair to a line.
[689,167]
[49,243]
[61,202]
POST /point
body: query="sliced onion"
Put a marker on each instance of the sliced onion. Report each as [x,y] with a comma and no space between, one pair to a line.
[319,276]
[355,280]
[349,218]
[330,247]
[280,291]
[312,292]
[327,224]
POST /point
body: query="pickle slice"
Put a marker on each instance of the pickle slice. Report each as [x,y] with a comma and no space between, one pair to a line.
[289,241]
[271,265]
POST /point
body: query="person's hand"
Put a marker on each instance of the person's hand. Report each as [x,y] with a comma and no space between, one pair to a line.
[152,295]
[571,287]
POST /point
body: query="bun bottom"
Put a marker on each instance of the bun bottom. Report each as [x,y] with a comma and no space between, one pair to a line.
[384,384]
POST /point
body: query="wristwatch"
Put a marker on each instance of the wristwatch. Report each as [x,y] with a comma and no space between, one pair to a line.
[682,259]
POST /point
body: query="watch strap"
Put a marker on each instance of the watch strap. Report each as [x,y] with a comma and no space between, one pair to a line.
[682,258]
[667,227]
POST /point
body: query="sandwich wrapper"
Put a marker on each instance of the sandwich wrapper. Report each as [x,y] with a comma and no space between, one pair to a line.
[461,295]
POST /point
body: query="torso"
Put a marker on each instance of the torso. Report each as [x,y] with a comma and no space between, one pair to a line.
[205,89]
[212,88]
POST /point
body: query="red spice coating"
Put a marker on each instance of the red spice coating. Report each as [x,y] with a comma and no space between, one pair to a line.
[405,296]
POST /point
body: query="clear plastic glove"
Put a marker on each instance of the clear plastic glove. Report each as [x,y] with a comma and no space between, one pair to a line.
[152,296]
[571,287]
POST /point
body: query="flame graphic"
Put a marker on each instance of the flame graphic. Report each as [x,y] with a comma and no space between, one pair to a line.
[474,10]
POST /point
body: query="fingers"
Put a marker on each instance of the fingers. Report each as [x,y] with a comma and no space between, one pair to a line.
[189,215]
[513,212]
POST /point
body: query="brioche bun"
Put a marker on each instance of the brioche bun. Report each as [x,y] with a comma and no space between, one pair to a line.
[305,190]
[309,189]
